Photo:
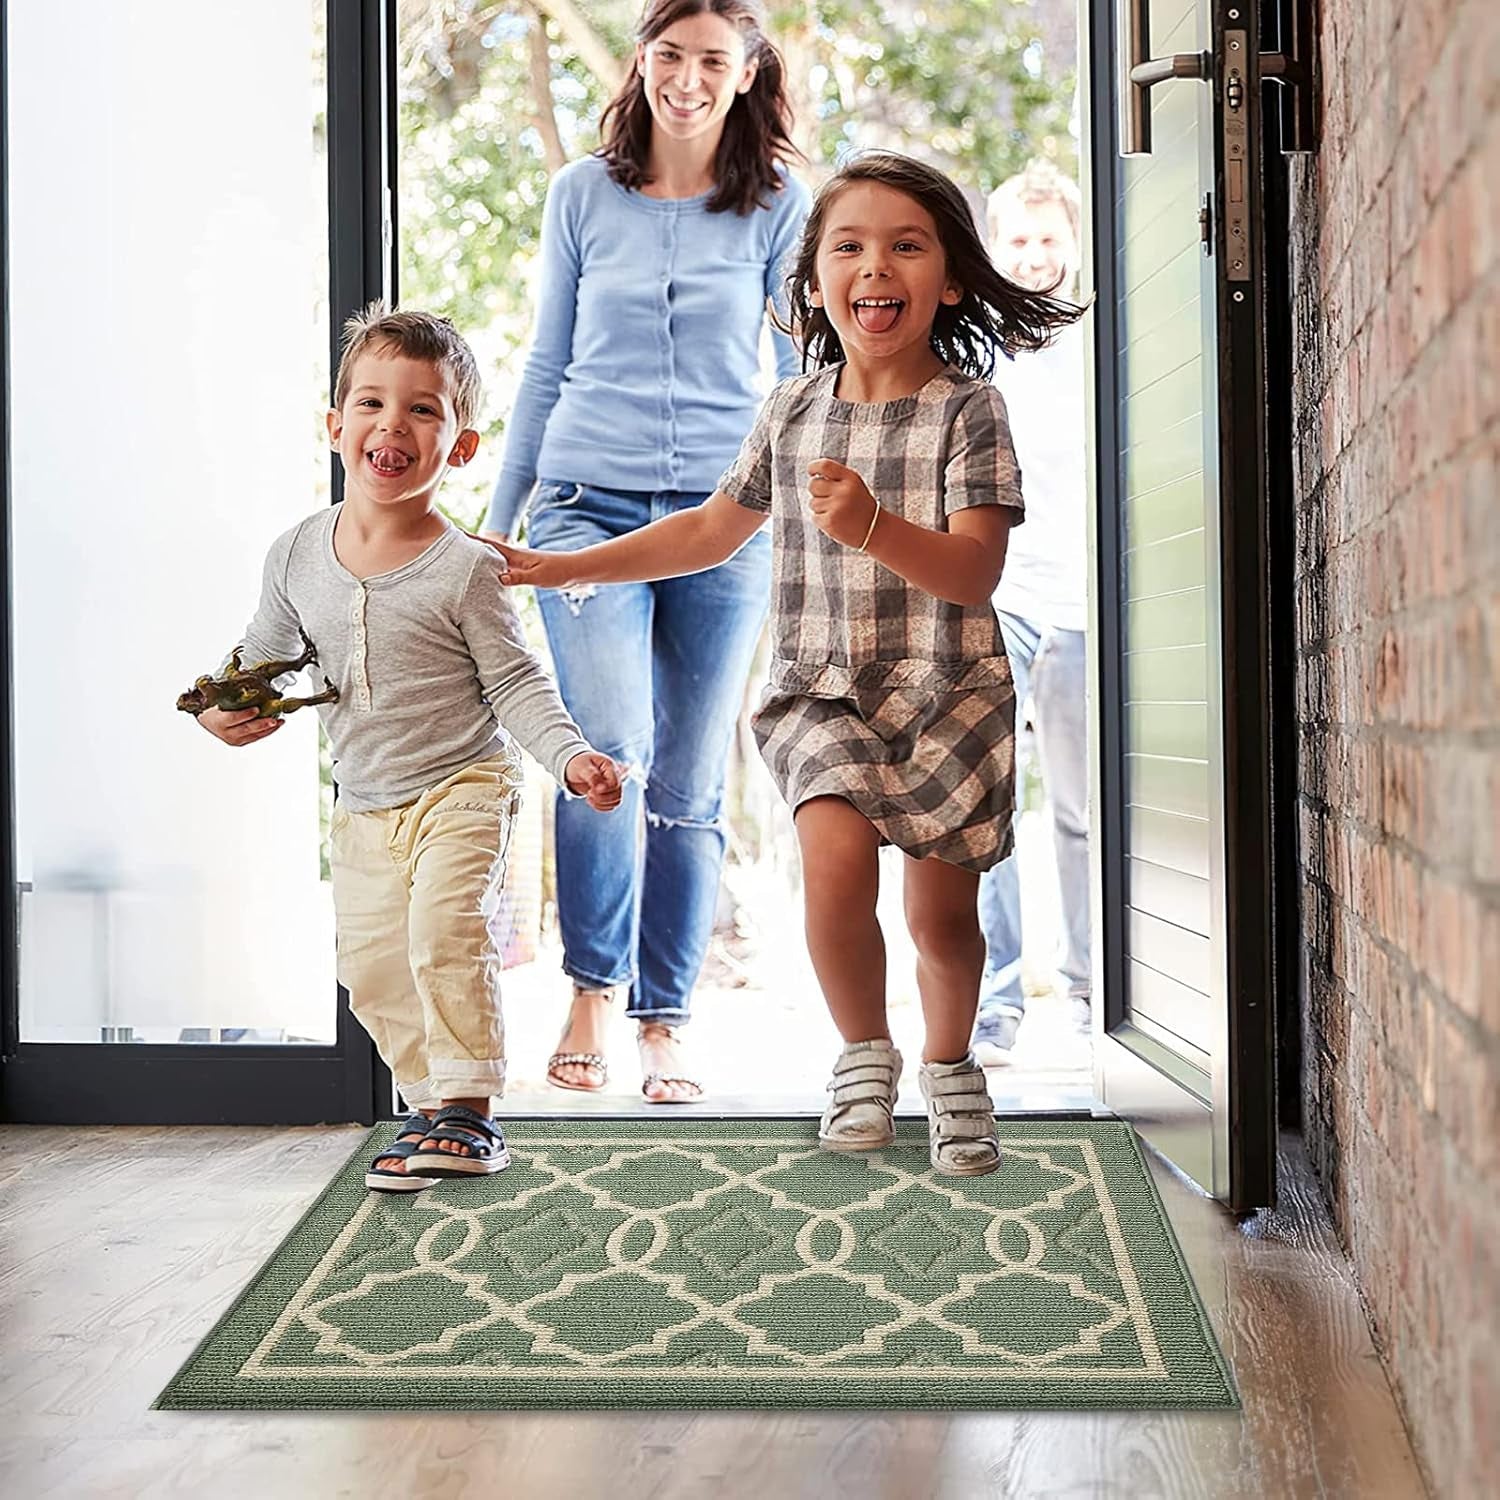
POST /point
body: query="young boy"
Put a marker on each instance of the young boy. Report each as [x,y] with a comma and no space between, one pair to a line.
[435,688]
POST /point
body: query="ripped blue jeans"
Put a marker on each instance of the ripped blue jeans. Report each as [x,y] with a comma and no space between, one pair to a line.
[655,674]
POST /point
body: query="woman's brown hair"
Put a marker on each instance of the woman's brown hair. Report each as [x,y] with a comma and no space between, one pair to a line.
[994,312]
[757,130]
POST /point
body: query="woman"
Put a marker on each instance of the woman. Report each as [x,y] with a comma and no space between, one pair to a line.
[658,255]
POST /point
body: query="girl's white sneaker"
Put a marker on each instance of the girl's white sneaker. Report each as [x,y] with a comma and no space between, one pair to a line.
[861,1114]
[962,1140]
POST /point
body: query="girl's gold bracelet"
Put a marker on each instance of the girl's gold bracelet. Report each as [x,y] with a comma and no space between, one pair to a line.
[871,532]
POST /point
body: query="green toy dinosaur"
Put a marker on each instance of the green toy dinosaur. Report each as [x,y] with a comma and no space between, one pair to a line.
[254,687]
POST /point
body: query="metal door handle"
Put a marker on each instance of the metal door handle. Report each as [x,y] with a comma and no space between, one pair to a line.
[1142,72]
[1291,67]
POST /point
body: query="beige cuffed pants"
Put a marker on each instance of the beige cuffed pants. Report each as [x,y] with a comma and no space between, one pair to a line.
[415,893]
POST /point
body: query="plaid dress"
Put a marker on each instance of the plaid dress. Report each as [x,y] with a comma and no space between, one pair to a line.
[880,693]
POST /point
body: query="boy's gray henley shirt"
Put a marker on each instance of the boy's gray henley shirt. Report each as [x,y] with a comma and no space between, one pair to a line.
[430,661]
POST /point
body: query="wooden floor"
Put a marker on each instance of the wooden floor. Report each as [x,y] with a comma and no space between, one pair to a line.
[119,1250]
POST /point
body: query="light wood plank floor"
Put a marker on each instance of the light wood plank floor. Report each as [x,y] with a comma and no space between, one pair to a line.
[118,1251]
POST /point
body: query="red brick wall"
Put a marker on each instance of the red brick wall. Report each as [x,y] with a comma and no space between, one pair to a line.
[1395,228]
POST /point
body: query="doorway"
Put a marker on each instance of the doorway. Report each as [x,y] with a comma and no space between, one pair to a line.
[493,101]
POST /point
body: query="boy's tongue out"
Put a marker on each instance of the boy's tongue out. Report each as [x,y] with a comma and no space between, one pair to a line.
[877,317]
[388,460]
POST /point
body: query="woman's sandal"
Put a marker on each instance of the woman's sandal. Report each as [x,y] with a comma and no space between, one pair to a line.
[412,1133]
[465,1127]
[577,1060]
[961,1135]
[665,1080]
[861,1114]
[592,1060]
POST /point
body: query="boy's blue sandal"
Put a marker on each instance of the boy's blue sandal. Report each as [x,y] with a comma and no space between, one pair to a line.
[465,1127]
[386,1179]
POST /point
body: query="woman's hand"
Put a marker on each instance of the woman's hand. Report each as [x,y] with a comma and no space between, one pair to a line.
[842,505]
[542,570]
[595,777]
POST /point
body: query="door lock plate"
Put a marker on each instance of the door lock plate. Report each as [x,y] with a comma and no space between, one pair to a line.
[1236,157]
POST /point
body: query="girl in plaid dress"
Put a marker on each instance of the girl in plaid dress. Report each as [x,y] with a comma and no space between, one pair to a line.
[891,483]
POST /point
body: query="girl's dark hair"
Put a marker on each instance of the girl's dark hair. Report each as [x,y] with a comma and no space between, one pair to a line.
[994,312]
[757,129]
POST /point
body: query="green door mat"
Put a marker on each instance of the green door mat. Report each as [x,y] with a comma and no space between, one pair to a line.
[727,1263]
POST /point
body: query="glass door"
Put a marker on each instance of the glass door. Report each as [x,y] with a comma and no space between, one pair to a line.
[1185,1041]
[170,952]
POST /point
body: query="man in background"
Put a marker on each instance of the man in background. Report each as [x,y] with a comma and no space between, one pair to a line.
[1034,231]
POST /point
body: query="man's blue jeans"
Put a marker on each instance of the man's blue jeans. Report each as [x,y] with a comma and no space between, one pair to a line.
[1050,665]
[655,674]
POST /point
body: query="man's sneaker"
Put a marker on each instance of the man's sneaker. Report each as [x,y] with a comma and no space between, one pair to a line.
[1082,1013]
[994,1039]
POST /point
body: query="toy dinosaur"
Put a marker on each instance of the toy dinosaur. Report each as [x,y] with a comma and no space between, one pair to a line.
[254,687]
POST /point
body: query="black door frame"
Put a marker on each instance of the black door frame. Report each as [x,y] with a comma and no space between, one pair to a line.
[363,117]
[188,1083]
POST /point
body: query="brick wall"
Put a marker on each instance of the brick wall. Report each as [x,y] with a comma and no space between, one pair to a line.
[1396,224]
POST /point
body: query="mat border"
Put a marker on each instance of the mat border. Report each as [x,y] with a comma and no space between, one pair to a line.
[209,1380]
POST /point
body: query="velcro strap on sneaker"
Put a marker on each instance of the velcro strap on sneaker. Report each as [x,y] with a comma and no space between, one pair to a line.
[862,1073]
[961,1104]
[965,1128]
[865,1057]
[852,1093]
[972,1082]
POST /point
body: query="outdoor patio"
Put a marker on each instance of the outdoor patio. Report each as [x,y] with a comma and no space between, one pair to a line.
[760,1033]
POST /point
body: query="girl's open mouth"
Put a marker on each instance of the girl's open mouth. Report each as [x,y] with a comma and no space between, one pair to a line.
[877,314]
[388,461]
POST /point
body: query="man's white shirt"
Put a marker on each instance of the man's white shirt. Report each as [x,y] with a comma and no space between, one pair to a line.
[1046,564]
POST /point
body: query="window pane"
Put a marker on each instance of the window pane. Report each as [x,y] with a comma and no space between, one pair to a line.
[168,341]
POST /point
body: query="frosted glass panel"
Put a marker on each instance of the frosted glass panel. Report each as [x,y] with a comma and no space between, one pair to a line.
[168,342]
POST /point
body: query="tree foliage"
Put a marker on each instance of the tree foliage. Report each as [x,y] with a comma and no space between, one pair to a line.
[495,96]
